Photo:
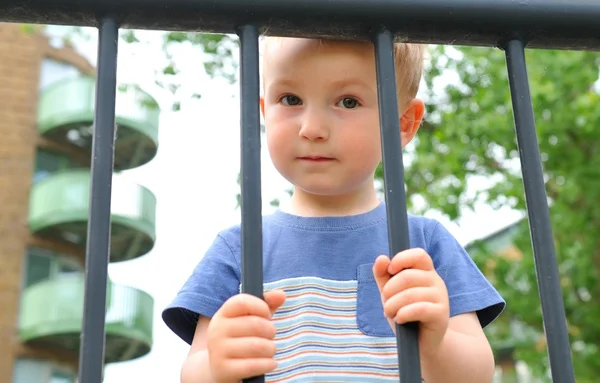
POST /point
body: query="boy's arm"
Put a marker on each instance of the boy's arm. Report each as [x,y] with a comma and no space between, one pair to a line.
[452,348]
[443,289]
[195,368]
[464,355]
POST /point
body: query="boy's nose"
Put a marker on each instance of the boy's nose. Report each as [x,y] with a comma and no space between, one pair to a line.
[314,127]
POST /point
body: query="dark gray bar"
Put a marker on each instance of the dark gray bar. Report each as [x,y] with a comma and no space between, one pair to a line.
[563,24]
[553,311]
[393,172]
[91,354]
[251,202]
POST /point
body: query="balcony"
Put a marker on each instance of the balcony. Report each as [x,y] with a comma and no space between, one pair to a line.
[66,116]
[52,313]
[59,210]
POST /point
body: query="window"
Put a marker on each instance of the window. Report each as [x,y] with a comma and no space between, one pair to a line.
[38,268]
[53,71]
[48,162]
[68,268]
[40,371]
[44,264]
[60,376]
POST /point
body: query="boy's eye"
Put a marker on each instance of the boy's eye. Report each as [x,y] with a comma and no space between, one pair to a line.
[290,100]
[348,102]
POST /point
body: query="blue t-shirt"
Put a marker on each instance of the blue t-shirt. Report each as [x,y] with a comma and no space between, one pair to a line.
[331,326]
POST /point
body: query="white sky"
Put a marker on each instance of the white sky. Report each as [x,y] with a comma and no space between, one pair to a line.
[194,179]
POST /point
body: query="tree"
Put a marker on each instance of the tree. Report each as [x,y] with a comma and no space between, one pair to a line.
[218,50]
[470,125]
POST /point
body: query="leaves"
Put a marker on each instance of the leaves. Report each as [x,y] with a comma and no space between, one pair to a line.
[470,126]
[129,36]
[217,59]
[469,136]
[218,49]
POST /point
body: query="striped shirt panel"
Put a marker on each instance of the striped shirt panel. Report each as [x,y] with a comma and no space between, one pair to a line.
[318,339]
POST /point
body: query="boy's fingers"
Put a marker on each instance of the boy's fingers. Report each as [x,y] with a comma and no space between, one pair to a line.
[409,278]
[249,347]
[274,299]
[252,325]
[250,367]
[245,304]
[380,271]
[410,259]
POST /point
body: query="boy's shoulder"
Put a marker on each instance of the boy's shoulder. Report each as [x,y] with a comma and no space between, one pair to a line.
[421,229]
[421,223]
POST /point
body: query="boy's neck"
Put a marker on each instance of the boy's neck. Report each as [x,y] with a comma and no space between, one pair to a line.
[311,205]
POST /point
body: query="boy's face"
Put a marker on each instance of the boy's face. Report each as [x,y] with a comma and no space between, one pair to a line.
[321,114]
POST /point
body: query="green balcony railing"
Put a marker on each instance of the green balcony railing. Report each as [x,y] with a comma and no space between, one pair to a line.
[59,209]
[66,115]
[52,312]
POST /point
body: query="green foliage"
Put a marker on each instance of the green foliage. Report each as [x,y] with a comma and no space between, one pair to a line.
[469,135]
[218,60]
[218,48]
[28,28]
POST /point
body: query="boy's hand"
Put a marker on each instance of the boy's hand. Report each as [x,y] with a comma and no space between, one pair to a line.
[240,337]
[412,291]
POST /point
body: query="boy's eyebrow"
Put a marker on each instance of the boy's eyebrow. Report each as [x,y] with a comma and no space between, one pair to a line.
[352,81]
[342,83]
[281,82]
[290,82]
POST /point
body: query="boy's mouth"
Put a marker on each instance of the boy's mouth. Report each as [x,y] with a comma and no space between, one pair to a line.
[315,158]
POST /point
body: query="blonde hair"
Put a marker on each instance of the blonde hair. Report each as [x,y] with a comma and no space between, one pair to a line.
[408,60]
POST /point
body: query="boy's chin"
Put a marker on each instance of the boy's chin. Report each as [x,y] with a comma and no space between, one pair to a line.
[323,190]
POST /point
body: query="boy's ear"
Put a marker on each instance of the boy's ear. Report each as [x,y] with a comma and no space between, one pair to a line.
[411,120]
[262,106]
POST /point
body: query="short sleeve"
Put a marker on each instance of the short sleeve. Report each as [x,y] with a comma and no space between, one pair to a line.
[468,289]
[215,279]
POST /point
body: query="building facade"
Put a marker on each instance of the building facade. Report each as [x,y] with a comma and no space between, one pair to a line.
[46,117]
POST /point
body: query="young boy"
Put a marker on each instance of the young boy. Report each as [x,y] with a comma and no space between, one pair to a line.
[331,298]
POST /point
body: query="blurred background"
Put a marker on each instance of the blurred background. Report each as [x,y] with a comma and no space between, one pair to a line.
[176,184]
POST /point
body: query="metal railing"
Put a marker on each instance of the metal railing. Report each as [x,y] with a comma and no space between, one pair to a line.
[507,24]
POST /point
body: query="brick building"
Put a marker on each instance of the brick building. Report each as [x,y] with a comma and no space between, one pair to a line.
[46,115]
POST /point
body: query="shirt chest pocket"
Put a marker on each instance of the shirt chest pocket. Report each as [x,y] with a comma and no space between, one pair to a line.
[369,310]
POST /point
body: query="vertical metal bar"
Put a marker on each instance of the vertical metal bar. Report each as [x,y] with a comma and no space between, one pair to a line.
[251,201]
[91,357]
[395,195]
[553,311]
